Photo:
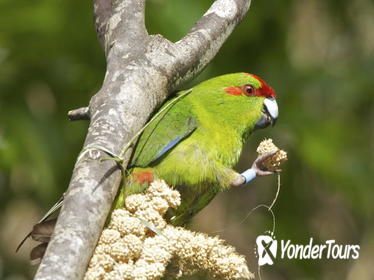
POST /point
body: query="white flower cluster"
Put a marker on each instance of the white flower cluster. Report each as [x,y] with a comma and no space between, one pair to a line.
[138,244]
[272,163]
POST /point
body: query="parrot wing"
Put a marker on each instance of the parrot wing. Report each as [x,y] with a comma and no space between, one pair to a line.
[163,134]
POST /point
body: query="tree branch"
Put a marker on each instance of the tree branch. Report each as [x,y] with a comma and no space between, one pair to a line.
[207,36]
[79,114]
[141,70]
[102,13]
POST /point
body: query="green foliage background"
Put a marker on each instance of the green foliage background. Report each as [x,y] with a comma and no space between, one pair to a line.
[318,55]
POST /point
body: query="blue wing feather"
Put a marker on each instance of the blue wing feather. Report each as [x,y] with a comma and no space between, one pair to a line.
[168,147]
[149,150]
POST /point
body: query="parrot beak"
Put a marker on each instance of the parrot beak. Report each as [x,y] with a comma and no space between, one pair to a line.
[269,113]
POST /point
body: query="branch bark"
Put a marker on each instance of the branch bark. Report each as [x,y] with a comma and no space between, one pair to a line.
[102,13]
[141,70]
[79,114]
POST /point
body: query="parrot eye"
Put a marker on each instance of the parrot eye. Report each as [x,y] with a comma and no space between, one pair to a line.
[249,90]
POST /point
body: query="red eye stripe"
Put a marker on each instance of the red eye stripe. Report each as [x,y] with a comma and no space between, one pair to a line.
[247,90]
[265,90]
[234,90]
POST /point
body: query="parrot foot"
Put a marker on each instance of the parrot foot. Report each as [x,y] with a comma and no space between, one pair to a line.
[258,164]
[257,169]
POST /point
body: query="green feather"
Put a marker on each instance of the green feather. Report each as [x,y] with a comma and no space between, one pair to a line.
[173,123]
[213,126]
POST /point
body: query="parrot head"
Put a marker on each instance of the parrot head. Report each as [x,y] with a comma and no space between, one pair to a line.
[270,106]
[241,98]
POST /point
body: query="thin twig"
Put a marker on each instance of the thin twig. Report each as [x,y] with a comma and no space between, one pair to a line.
[79,114]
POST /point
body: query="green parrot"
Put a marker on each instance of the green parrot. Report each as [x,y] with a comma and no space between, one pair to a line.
[194,143]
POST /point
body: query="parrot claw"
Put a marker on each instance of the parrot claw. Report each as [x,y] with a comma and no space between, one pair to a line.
[263,173]
[257,169]
[258,164]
